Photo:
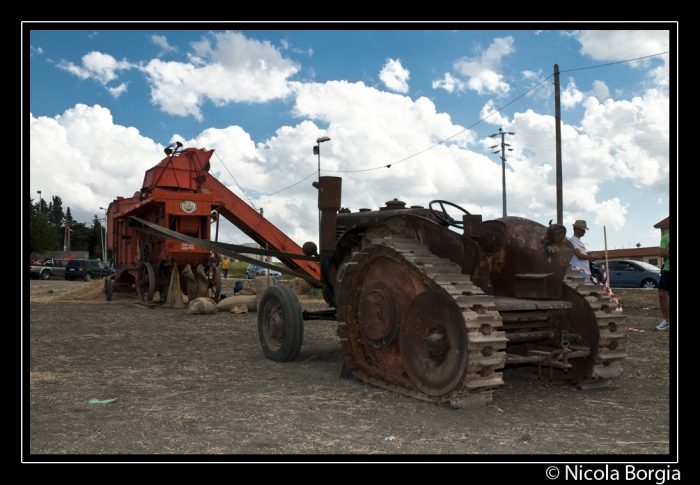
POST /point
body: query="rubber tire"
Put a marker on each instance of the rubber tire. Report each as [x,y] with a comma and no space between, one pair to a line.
[648,283]
[281,299]
[46,274]
[87,277]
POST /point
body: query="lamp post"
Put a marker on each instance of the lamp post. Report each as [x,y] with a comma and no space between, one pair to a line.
[104,243]
[317,151]
[39,192]
[503,161]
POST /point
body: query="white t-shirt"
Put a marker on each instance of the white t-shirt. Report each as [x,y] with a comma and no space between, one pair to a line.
[574,260]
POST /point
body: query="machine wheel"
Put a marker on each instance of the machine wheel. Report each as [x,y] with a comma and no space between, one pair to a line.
[411,322]
[108,289]
[650,284]
[87,277]
[433,343]
[146,283]
[280,324]
[46,274]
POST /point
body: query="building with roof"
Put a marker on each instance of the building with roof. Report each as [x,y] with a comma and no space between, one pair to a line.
[648,254]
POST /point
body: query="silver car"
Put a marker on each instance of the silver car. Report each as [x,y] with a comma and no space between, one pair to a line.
[254,271]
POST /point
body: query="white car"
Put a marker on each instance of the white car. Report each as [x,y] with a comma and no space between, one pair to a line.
[254,271]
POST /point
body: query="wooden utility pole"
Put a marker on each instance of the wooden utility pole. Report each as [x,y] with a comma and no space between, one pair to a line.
[557,131]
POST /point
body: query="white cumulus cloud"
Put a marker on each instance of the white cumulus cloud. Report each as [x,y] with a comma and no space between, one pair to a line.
[481,71]
[620,45]
[226,67]
[87,160]
[571,96]
[98,66]
[162,42]
[395,76]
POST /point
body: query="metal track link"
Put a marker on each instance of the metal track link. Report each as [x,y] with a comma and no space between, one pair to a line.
[482,322]
[612,333]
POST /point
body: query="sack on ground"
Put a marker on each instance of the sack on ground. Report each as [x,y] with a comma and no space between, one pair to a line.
[227,304]
[201,306]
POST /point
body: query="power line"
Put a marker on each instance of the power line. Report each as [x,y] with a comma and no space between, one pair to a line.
[282,190]
[234,179]
[612,63]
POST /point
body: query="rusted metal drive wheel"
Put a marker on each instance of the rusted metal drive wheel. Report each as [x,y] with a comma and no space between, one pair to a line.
[108,289]
[146,283]
[433,343]
[280,324]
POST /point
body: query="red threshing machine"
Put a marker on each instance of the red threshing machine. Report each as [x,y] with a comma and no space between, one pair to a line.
[167,225]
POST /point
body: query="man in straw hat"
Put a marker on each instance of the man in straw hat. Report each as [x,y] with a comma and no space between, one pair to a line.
[581,257]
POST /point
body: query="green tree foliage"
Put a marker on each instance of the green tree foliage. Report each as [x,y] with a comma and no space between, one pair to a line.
[80,236]
[42,236]
[95,245]
[56,215]
[69,217]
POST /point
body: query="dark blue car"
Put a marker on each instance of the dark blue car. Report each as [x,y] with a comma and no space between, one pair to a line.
[629,274]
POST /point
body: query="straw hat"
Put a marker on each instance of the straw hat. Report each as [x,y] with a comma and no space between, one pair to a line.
[581,224]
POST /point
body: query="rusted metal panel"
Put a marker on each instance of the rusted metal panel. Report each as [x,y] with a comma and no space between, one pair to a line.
[525,249]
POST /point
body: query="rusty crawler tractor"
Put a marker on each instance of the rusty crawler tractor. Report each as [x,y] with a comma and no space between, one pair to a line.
[167,225]
[430,313]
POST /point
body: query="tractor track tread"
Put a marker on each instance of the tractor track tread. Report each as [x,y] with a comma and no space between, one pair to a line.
[612,335]
[483,341]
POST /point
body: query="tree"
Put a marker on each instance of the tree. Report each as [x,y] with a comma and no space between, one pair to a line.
[80,236]
[95,245]
[69,217]
[42,237]
[56,215]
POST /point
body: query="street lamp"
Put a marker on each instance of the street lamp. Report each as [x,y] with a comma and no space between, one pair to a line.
[39,192]
[317,151]
[104,243]
[503,160]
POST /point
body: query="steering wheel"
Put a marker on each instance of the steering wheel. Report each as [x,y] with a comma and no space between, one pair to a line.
[449,221]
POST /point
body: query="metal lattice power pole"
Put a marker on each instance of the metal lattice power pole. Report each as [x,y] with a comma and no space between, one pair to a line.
[503,161]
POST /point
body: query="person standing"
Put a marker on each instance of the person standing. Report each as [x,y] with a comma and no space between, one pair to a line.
[581,257]
[665,283]
[224,267]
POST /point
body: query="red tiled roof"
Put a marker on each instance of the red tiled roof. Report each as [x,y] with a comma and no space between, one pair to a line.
[630,252]
[662,223]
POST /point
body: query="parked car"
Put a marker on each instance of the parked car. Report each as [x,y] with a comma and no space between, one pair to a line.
[628,274]
[51,267]
[254,271]
[87,269]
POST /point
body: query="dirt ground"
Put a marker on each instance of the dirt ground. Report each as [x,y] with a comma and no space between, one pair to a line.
[200,384]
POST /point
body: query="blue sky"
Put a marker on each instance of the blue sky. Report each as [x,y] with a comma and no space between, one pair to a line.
[104,103]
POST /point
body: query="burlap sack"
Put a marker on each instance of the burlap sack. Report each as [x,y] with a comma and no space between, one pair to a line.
[227,304]
[242,308]
[173,297]
[201,306]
